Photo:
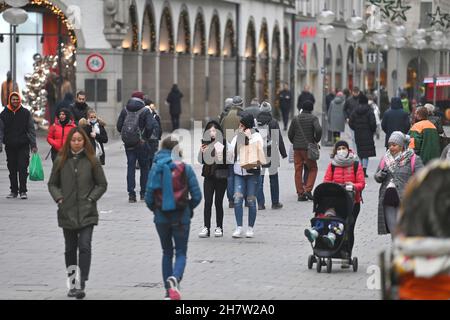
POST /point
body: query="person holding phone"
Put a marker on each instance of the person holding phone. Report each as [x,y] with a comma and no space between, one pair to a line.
[213,155]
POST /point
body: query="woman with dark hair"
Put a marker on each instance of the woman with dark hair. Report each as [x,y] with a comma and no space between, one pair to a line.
[346,170]
[169,185]
[95,129]
[213,155]
[58,131]
[76,184]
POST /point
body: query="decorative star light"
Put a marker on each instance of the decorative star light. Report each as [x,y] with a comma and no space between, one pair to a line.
[398,11]
[384,6]
[438,18]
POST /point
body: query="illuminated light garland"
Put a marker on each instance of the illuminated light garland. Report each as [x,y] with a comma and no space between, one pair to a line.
[252,59]
[187,32]
[229,33]
[287,52]
[166,14]
[199,23]
[215,21]
[276,40]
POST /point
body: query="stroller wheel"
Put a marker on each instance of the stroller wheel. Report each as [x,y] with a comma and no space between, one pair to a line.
[355,264]
[329,265]
[311,261]
[319,265]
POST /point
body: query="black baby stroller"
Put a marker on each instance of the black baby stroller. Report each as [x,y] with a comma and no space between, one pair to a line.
[332,195]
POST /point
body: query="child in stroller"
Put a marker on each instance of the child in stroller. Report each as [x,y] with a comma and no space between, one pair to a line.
[335,228]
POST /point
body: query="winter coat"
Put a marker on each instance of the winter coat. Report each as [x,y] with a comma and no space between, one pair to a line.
[265,118]
[285,100]
[100,138]
[329,97]
[363,122]
[342,175]
[66,103]
[395,119]
[80,186]
[436,120]
[336,116]
[252,109]
[303,97]
[174,100]
[400,178]
[57,134]
[173,217]
[350,106]
[17,128]
[231,122]
[208,169]
[425,140]
[79,111]
[146,120]
[304,128]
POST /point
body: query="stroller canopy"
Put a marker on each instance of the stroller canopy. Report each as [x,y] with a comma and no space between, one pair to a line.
[331,195]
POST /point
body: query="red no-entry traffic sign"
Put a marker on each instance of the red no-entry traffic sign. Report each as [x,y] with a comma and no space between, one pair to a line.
[95,63]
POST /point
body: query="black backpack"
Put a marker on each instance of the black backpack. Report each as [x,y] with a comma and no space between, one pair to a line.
[131,133]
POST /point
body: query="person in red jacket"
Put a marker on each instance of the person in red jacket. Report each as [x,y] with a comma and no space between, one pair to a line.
[346,170]
[58,132]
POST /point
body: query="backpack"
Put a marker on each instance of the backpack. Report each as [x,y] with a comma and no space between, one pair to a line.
[131,133]
[180,188]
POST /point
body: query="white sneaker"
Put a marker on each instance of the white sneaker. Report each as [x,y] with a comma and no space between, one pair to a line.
[204,233]
[238,233]
[218,232]
[249,233]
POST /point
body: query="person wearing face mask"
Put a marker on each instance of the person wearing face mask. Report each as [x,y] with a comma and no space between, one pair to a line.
[18,134]
[346,170]
[58,132]
[213,155]
[95,129]
[395,168]
[76,183]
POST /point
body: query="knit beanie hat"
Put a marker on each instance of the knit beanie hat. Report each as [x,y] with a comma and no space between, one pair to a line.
[228,103]
[308,105]
[398,138]
[341,143]
[237,101]
[248,121]
[265,107]
[138,94]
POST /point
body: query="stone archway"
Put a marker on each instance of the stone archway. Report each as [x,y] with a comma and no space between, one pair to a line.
[250,65]
[199,50]
[276,70]
[214,74]
[183,51]
[148,44]
[263,63]
[229,61]
[130,45]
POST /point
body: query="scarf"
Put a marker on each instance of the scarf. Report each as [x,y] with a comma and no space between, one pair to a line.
[400,160]
[340,161]
[160,177]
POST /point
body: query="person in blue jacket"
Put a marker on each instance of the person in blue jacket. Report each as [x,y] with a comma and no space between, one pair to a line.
[170,182]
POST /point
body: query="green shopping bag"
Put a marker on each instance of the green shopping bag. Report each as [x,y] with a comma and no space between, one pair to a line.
[36,169]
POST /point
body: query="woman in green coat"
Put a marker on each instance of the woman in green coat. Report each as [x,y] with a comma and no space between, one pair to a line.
[76,184]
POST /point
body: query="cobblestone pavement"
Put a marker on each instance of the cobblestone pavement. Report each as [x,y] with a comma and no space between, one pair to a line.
[126,262]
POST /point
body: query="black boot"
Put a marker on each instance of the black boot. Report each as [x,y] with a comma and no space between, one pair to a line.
[365,172]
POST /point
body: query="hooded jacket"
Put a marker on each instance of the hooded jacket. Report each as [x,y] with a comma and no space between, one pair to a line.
[231,122]
[363,122]
[425,140]
[265,118]
[58,132]
[17,129]
[336,115]
[395,119]
[146,120]
[101,137]
[79,111]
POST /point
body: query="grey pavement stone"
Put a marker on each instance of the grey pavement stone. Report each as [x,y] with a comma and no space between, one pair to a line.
[126,261]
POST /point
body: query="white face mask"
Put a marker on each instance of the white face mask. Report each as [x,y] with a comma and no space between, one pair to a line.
[342,153]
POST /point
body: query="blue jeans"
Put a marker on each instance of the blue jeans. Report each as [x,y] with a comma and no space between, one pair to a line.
[365,162]
[245,185]
[168,234]
[274,189]
[141,155]
[230,184]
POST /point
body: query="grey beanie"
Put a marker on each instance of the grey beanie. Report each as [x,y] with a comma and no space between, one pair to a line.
[228,103]
[237,101]
[265,107]
[399,138]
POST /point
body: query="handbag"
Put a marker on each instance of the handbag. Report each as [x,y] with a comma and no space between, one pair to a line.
[251,156]
[98,149]
[313,149]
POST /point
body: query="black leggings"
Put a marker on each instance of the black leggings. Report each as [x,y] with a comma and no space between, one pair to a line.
[212,185]
[351,231]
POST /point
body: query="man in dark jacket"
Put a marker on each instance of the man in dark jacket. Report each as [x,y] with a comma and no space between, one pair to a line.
[140,151]
[154,139]
[306,95]
[18,135]
[252,108]
[273,146]
[79,108]
[304,129]
[285,104]
[350,105]
[174,102]
[395,119]
[65,103]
